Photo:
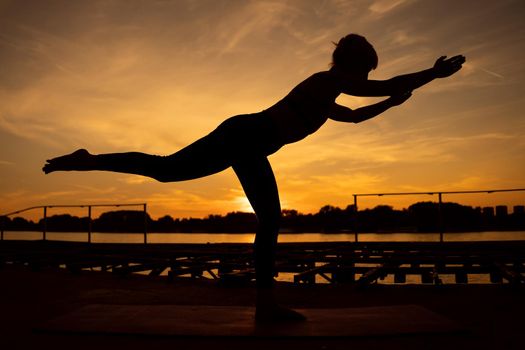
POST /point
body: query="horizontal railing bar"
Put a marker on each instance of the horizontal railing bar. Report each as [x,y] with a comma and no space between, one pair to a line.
[436,192]
[73,206]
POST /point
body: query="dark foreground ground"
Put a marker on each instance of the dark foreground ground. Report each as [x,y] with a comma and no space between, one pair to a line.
[494,315]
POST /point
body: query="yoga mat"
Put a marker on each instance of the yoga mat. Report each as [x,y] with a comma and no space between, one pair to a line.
[184,320]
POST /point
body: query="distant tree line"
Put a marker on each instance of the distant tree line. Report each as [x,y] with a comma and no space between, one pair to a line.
[419,217]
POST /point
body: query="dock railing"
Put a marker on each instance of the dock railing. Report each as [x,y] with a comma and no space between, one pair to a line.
[430,193]
[440,195]
[89,208]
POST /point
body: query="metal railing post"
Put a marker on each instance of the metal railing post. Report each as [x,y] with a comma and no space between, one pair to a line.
[440,213]
[441,218]
[4,217]
[89,223]
[356,234]
[44,225]
[145,225]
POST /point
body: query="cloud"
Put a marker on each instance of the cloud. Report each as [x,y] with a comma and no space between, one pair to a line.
[6,162]
[344,147]
[32,129]
[334,189]
[402,37]
[185,203]
[135,180]
[382,7]
[254,21]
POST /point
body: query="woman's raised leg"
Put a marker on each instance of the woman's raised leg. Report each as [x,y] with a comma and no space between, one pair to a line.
[202,158]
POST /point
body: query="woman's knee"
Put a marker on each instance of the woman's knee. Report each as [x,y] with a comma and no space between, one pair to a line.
[161,169]
[270,223]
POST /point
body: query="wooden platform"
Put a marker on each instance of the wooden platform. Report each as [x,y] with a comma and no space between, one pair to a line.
[361,263]
[235,321]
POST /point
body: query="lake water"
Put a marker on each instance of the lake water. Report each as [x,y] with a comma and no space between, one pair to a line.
[248,237]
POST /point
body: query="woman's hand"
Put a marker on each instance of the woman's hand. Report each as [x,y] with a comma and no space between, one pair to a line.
[396,100]
[446,67]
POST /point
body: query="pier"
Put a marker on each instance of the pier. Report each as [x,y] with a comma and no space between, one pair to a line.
[359,263]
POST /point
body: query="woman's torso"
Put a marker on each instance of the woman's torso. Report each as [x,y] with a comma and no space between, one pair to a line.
[305,109]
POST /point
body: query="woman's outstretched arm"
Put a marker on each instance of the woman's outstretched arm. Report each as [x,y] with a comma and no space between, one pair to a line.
[347,115]
[442,68]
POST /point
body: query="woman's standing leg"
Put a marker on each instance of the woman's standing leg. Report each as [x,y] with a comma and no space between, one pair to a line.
[258,181]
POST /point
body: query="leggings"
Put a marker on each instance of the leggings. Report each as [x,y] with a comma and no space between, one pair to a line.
[242,142]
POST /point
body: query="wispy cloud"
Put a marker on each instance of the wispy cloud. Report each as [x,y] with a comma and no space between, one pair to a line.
[135,180]
[494,74]
[382,7]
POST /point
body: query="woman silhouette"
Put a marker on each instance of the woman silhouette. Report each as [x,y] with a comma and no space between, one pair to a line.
[244,142]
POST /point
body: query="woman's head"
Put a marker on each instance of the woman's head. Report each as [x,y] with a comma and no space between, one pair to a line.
[353,53]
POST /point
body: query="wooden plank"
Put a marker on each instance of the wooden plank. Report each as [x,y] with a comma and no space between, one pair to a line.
[509,274]
[308,276]
[374,274]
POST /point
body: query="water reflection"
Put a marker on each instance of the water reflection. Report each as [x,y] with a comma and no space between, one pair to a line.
[248,237]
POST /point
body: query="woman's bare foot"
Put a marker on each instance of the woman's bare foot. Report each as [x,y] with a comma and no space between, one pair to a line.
[78,160]
[277,314]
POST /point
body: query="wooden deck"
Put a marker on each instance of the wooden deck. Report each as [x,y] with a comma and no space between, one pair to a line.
[331,262]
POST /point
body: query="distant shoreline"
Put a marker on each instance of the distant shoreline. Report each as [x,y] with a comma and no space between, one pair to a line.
[281,232]
[421,217]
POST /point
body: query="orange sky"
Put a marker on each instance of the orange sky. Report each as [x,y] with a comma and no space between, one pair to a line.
[153,76]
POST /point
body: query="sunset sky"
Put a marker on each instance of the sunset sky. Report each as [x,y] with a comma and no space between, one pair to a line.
[153,76]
